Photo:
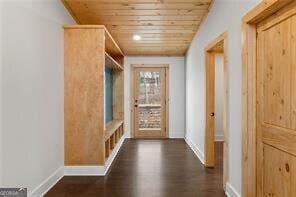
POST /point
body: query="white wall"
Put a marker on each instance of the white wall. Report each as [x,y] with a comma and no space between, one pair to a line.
[1,125]
[176,91]
[219,96]
[32,91]
[225,15]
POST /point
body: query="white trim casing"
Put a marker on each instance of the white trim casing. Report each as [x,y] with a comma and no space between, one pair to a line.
[219,138]
[195,149]
[230,191]
[84,171]
[176,135]
[115,151]
[48,183]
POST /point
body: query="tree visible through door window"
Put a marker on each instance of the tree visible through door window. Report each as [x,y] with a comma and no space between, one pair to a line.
[149,100]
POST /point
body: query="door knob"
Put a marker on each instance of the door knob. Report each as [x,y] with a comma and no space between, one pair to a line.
[212,114]
[136,105]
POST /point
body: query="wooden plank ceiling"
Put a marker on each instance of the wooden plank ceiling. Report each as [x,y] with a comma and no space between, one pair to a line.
[166,27]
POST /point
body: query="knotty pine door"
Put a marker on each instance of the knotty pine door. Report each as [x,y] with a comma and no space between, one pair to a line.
[276,105]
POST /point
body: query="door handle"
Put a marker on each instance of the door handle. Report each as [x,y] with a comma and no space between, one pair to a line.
[136,105]
[212,114]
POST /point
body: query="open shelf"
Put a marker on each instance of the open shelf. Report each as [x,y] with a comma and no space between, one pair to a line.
[111,46]
[112,127]
[113,133]
[114,60]
[111,63]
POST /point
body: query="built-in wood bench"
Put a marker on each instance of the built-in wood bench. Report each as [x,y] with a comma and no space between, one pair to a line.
[113,133]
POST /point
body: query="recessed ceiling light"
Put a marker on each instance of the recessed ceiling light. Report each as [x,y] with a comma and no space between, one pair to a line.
[137,37]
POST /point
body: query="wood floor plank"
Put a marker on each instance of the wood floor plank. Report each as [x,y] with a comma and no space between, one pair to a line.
[150,168]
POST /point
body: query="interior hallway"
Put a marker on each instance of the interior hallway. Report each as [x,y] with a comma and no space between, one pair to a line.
[150,168]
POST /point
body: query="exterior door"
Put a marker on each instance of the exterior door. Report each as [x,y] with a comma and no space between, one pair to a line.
[149,102]
[276,105]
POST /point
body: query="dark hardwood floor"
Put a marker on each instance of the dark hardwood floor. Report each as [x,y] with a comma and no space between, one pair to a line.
[149,168]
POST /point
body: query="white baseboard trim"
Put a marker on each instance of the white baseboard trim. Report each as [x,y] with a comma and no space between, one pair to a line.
[176,135]
[111,157]
[230,191]
[219,138]
[195,149]
[128,135]
[84,171]
[48,183]
[94,170]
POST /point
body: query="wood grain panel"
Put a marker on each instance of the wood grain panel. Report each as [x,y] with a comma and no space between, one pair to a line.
[155,35]
[277,75]
[82,5]
[157,44]
[279,173]
[143,1]
[89,49]
[154,20]
[151,12]
[155,27]
[104,18]
[155,38]
[276,137]
[141,23]
[111,63]
[111,128]
[210,108]
[155,31]
[283,140]
[84,85]
[270,9]
[293,73]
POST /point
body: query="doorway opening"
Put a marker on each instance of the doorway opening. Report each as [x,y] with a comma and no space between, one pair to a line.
[216,132]
[149,102]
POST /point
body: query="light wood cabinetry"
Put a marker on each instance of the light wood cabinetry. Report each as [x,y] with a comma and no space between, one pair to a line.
[88,49]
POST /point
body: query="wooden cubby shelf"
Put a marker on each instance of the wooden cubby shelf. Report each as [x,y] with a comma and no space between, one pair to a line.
[113,134]
[112,127]
[112,63]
